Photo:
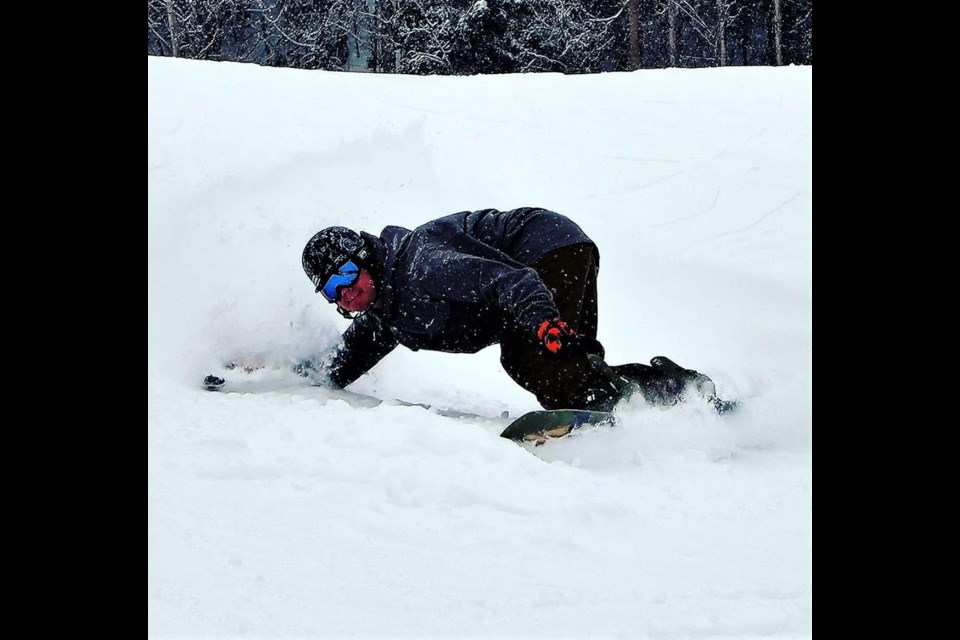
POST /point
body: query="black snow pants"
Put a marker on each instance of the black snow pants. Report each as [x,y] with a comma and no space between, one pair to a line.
[558,381]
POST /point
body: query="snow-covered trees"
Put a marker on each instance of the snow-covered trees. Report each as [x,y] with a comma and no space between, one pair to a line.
[484,36]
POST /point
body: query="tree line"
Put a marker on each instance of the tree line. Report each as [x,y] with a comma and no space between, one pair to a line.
[460,37]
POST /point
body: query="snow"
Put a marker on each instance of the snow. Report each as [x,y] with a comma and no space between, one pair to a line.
[283,513]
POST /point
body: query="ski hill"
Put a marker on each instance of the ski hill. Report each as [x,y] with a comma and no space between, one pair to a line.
[283,511]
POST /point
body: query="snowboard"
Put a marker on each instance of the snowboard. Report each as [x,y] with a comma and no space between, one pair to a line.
[540,426]
[214,382]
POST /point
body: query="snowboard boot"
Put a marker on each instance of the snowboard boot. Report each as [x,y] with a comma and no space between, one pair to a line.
[688,378]
[665,383]
[597,399]
[694,381]
[618,388]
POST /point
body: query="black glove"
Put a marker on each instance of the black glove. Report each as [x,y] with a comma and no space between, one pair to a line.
[315,372]
[559,339]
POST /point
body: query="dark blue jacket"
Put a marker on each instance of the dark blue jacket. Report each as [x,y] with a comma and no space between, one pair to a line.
[454,284]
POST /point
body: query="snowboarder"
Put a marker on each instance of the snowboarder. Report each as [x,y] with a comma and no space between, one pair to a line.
[524,278]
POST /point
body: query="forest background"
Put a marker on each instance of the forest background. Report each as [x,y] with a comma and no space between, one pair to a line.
[464,37]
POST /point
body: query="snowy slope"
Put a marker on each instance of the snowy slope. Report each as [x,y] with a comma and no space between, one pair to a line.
[284,514]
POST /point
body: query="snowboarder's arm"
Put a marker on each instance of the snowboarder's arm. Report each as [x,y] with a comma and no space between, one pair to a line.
[517,293]
[363,345]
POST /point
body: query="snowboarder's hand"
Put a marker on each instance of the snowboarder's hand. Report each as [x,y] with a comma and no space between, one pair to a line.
[559,339]
[316,372]
[553,334]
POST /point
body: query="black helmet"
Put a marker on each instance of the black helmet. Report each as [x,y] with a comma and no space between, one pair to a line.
[328,250]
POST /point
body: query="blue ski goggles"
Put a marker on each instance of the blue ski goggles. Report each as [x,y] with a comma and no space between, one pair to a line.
[344,277]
